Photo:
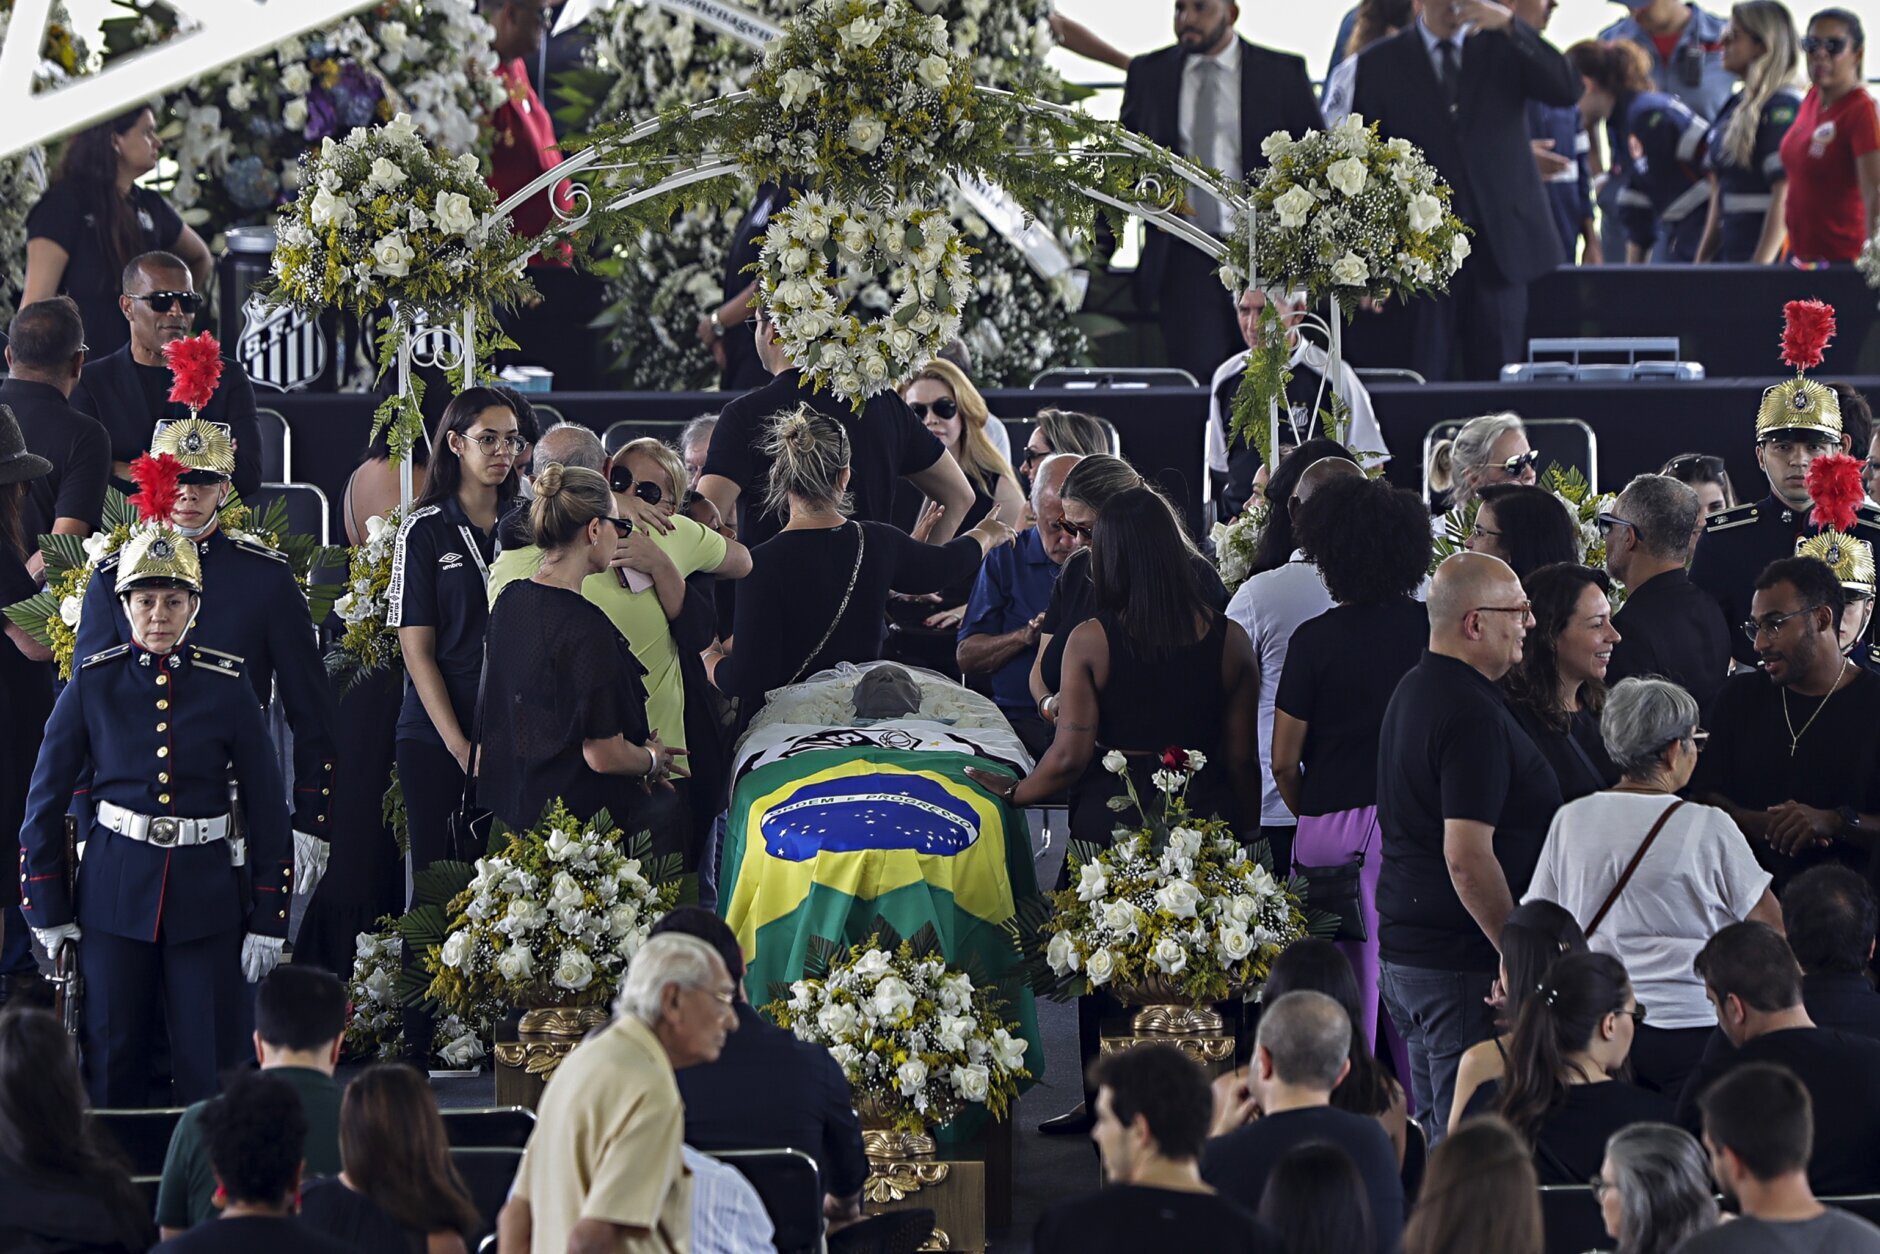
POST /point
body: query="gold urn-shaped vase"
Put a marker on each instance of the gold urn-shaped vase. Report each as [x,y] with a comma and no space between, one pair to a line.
[1163,1014]
[900,1162]
[530,1044]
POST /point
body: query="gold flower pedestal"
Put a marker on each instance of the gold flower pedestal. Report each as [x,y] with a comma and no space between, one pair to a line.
[906,1172]
[1161,1016]
[530,1044]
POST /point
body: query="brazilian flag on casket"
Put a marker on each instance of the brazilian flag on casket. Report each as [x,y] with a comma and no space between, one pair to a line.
[831,828]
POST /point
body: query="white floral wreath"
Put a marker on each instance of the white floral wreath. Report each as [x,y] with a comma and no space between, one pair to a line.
[824,266]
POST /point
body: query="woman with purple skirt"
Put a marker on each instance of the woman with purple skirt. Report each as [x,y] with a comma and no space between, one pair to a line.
[1371,543]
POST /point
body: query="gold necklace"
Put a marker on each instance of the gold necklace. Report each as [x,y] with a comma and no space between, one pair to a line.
[1795,737]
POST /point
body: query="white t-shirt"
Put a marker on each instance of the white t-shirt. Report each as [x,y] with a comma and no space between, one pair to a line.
[1698,877]
[1270,606]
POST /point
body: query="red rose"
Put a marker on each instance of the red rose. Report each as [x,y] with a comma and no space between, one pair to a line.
[1175,758]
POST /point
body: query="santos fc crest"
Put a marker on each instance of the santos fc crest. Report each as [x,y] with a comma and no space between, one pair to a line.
[281,348]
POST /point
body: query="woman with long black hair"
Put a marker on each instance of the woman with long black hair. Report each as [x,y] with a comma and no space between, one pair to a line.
[438,601]
[26,678]
[94,219]
[1561,1091]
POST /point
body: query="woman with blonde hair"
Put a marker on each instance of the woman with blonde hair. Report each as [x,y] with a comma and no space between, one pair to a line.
[947,404]
[1490,449]
[563,708]
[1749,188]
[817,590]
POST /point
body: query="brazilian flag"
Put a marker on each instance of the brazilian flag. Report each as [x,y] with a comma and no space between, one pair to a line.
[824,842]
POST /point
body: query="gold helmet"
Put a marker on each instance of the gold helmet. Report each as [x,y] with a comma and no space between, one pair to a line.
[158,556]
[207,449]
[1801,404]
[1851,560]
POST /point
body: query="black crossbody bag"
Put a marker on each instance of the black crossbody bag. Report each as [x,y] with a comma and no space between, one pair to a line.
[1337,890]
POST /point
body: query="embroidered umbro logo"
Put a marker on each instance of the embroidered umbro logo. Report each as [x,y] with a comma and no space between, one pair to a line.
[450,561]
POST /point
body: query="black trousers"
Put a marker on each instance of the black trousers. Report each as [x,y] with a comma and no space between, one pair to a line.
[1279,841]
[199,983]
[1477,327]
[1664,1058]
[433,787]
[1199,331]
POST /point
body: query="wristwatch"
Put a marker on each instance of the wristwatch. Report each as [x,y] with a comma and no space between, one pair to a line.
[1850,819]
[718,328]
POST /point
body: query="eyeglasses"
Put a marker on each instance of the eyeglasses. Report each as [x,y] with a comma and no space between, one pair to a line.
[1608,521]
[1600,1185]
[488,440]
[1478,532]
[1636,1013]
[1698,738]
[1524,609]
[943,409]
[1773,623]
[1521,461]
[1033,456]
[1069,528]
[1833,45]
[165,302]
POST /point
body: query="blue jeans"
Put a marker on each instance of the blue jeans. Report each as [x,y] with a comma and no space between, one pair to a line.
[1439,1014]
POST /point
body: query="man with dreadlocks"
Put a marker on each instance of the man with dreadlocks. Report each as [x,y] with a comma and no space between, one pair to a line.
[167,898]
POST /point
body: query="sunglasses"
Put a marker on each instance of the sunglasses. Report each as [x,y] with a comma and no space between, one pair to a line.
[1833,45]
[943,409]
[1695,464]
[1521,461]
[1032,457]
[1069,528]
[620,479]
[623,525]
[1608,521]
[165,302]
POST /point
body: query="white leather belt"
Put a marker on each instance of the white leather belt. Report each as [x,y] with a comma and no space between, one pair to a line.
[162,830]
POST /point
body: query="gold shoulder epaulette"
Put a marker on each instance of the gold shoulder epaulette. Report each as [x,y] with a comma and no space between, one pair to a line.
[105,656]
[1735,516]
[215,660]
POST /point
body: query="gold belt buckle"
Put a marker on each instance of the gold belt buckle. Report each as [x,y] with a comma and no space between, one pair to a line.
[164,831]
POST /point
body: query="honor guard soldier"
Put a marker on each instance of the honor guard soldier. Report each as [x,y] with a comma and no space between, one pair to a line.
[255,611]
[167,898]
[1799,421]
[1835,485]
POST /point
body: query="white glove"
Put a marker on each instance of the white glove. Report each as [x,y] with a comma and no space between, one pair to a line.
[310,855]
[50,938]
[260,954]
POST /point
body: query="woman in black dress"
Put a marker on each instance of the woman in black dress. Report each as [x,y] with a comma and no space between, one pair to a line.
[26,679]
[817,589]
[94,219]
[1157,667]
[1558,687]
[564,712]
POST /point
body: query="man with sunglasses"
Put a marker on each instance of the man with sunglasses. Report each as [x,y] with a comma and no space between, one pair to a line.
[1799,421]
[128,391]
[1794,752]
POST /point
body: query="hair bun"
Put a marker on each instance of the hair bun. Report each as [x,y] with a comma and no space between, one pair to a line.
[548,482]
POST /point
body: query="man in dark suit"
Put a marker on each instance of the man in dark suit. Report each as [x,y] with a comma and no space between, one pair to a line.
[45,352]
[1456,83]
[128,391]
[1212,97]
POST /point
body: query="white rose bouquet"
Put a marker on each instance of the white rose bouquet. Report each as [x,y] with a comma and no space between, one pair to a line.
[1236,542]
[382,218]
[367,645]
[917,1040]
[376,1030]
[552,920]
[1338,213]
[1178,902]
[863,298]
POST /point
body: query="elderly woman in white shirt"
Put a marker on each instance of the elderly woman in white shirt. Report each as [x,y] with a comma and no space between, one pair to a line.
[1697,875]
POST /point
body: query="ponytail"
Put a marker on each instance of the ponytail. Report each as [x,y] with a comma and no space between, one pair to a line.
[1559,1020]
[1769,23]
[567,499]
[808,452]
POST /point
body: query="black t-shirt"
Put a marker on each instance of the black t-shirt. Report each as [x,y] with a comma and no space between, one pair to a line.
[1340,671]
[77,447]
[1843,1001]
[1129,1219]
[795,590]
[1673,629]
[93,275]
[245,1234]
[1450,749]
[1571,1142]
[1074,600]
[440,579]
[886,441]
[331,1209]
[559,675]
[28,688]
[1238,1164]
[1577,755]
[1842,1075]
[1835,763]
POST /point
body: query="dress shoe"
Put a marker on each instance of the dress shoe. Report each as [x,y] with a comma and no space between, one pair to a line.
[1073,1122]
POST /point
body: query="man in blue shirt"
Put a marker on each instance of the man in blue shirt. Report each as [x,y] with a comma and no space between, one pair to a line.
[999,634]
